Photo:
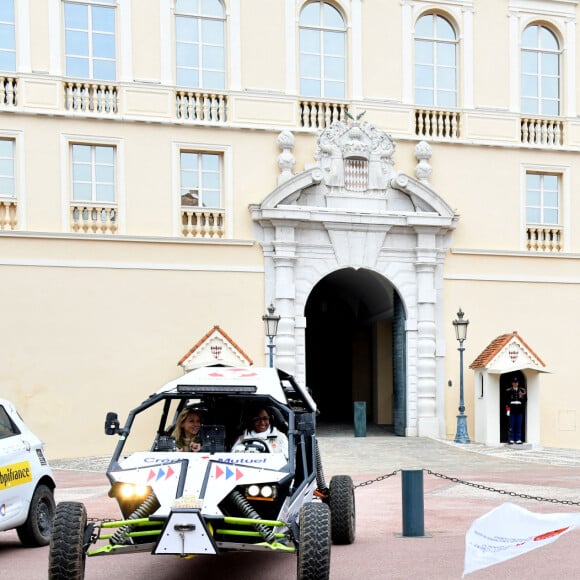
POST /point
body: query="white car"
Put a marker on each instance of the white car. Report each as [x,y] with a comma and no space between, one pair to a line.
[26,481]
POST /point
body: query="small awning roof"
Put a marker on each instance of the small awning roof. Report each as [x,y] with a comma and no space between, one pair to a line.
[508,352]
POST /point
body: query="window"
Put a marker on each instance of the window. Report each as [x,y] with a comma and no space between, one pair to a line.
[7,184]
[93,173]
[7,36]
[542,198]
[90,41]
[322,51]
[540,71]
[435,62]
[201,179]
[200,44]
[7,427]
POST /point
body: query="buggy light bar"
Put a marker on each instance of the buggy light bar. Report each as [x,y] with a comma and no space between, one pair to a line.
[209,389]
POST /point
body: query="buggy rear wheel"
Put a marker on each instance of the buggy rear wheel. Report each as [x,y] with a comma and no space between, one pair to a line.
[342,509]
[67,555]
[314,549]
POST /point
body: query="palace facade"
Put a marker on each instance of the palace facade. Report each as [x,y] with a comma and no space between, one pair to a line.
[374,169]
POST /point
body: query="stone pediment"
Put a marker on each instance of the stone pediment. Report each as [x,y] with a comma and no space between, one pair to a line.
[355,171]
[508,352]
[215,348]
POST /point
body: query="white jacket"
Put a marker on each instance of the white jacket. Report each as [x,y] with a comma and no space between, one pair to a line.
[276,440]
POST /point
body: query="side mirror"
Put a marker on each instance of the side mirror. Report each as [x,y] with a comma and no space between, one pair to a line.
[111,423]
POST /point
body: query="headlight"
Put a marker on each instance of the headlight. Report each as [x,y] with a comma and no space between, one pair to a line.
[263,492]
[130,491]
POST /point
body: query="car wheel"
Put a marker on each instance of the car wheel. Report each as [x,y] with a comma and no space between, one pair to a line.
[35,531]
[67,555]
[342,509]
[314,548]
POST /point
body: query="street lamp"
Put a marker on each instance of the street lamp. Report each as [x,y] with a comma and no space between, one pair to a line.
[460,325]
[271,322]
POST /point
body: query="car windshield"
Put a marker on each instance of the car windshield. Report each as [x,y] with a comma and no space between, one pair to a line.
[226,416]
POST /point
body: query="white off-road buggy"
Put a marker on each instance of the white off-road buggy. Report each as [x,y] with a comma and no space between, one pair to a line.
[218,499]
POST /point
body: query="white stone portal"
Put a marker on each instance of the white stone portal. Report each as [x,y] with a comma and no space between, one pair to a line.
[353,209]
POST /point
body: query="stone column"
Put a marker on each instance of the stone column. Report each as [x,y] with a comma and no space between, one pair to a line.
[427,420]
[284,295]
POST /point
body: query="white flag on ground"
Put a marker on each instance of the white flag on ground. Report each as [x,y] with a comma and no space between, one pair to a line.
[509,531]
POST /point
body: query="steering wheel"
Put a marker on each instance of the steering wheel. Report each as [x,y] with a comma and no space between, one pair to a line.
[254,445]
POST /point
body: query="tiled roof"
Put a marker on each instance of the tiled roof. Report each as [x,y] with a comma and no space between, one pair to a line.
[208,334]
[494,348]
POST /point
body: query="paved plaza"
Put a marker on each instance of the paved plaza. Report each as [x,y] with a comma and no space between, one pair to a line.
[461,483]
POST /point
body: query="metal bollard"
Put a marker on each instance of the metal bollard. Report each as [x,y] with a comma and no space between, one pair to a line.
[413,509]
[360,419]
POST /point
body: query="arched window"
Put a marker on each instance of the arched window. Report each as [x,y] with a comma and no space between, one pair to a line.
[200,44]
[540,71]
[435,62]
[322,51]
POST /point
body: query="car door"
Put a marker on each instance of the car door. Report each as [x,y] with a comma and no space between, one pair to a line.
[15,472]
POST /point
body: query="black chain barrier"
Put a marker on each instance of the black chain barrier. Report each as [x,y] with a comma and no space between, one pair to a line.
[380,478]
[477,486]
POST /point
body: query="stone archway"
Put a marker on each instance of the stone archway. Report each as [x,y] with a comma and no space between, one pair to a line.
[349,339]
[352,209]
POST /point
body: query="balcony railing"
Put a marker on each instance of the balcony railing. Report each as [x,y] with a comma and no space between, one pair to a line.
[89,97]
[8,91]
[8,214]
[547,132]
[93,219]
[541,238]
[321,114]
[201,106]
[437,123]
[202,222]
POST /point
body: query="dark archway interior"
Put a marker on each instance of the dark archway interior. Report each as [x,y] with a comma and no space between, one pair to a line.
[341,314]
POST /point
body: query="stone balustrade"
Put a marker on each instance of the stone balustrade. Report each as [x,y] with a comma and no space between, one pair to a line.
[201,106]
[321,114]
[437,123]
[544,238]
[93,218]
[90,97]
[202,223]
[8,214]
[545,132]
[8,91]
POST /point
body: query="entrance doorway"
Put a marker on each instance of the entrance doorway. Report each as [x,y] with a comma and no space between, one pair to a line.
[356,348]
[504,399]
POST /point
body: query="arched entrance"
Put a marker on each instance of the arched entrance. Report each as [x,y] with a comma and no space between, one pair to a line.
[338,239]
[351,329]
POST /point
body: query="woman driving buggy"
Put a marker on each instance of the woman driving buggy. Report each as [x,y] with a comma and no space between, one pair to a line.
[261,435]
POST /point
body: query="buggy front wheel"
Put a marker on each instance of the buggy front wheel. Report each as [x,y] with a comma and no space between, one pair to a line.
[67,554]
[314,548]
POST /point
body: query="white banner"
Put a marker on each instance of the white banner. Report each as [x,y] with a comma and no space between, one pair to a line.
[509,531]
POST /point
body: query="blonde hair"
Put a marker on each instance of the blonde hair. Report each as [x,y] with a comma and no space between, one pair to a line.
[178,431]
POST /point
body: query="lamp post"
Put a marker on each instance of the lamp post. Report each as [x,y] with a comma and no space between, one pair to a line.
[271,321]
[460,325]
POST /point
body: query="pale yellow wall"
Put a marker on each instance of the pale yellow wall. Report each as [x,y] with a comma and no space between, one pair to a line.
[491,64]
[85,340]
[39,31]
[381,51]
[264,41]
[146,40]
